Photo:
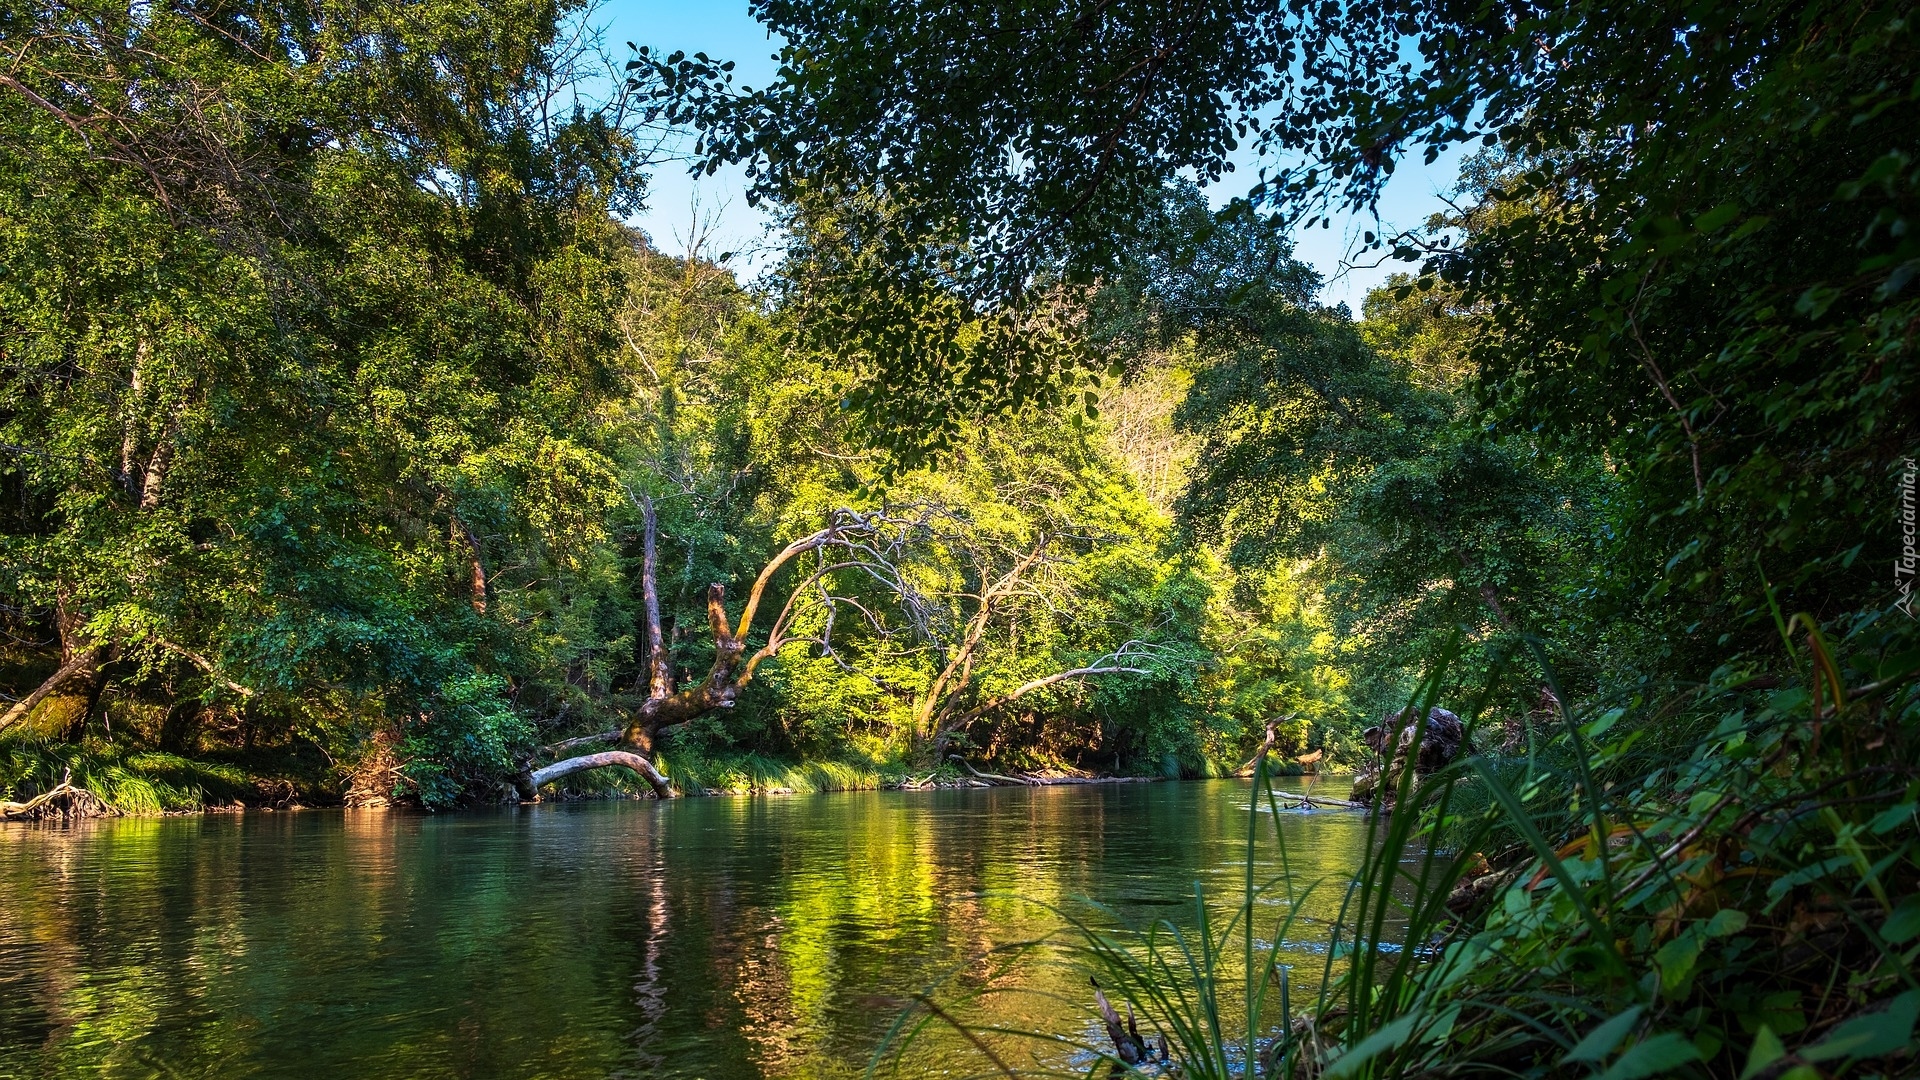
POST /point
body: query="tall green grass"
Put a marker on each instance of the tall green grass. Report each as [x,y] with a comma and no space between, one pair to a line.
[127,780]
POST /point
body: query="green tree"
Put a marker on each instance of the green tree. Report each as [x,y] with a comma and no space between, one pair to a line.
[304,309]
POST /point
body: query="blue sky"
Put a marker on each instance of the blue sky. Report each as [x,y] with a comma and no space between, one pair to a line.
[726,31]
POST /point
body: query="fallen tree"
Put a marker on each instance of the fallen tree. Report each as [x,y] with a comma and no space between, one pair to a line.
[80,666]
[858,540]
[871,548]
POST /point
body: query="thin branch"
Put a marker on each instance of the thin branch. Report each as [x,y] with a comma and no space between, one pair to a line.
[1041,683]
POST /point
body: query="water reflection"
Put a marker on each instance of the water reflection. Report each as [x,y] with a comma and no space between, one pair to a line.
[712,938]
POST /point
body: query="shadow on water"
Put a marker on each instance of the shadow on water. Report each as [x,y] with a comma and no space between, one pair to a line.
[715,938]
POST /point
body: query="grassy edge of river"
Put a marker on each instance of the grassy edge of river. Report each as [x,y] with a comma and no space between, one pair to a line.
[127,780]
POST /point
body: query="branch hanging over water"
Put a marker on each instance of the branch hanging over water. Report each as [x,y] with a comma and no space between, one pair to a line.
[561,769]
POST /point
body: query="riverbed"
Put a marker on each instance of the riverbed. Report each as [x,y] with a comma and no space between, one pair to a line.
[716,938]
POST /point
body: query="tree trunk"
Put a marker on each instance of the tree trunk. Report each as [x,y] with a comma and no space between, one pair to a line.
[82,664]
[530,783]
[482,582]
[79,677]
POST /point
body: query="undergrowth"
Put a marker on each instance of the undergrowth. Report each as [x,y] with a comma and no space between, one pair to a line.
[736,774]
[134,780]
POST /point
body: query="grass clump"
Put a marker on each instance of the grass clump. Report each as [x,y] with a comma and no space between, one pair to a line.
[132,780]
[753,773]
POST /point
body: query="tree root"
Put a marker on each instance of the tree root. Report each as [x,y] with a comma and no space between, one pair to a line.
[65,801]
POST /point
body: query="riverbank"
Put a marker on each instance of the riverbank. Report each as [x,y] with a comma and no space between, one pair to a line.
[99,778]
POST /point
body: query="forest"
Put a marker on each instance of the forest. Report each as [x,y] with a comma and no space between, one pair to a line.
[355,449]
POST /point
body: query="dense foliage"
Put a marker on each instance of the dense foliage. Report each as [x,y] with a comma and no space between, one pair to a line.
[334,393]
[1626,459]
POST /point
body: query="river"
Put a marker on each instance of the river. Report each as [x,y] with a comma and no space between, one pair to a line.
[716,938]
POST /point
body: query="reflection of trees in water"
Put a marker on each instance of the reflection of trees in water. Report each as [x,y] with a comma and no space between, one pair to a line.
[737,937]
[650,990]
[863,907]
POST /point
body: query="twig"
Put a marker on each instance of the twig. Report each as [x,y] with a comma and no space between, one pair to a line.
[565,745]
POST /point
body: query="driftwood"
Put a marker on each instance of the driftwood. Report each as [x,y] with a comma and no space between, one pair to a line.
[1441,738]
[1318,803]
[65,801]
[1128,1045]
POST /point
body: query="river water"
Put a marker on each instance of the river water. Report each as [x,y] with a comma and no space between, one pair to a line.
[713,938]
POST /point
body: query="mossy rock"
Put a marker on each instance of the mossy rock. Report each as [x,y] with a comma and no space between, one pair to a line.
[56,715]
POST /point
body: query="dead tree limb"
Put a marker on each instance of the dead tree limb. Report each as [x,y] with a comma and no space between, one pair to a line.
[206,666]
[565,745]
[1266,747]
[951,726]
[532,782]
[668,704]
[958,671]
[65,800]
[995,777]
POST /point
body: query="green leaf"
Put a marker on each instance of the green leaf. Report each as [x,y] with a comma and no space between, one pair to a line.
[1893,817]
[1871,1034]
[1717,218]
[1381,1041]
[1602,1040]
[1675,961]
[1661,1053]
[1896,666]
[1604,722]
[1904,923]
[1767,1049]
[1727,922]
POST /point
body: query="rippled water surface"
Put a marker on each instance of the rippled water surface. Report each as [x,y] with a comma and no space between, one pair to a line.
[715,938]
